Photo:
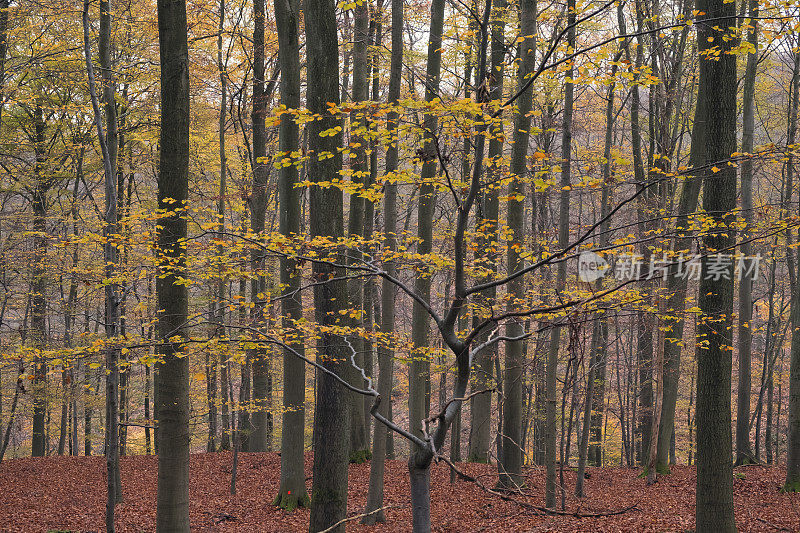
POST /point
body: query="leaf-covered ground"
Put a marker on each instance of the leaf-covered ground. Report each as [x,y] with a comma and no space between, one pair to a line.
[68,494]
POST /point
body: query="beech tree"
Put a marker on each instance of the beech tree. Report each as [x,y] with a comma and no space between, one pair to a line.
[713,143]
[332,411]
[293,488]
[172,402]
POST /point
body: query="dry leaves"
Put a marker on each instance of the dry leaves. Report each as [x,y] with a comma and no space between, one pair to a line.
[68,494]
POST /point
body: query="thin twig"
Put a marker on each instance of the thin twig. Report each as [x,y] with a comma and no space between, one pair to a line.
[355,517]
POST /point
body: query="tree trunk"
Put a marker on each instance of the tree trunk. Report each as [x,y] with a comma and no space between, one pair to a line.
[583,446]
[561,279]
[511,467]
[292,491]
[388,289]
[359,447]
[744,453]
[332,412]
[67,373]
[418,373]
[713,142]
[172,514]
[257,438]
[38,289]
[216,361]
[793,441]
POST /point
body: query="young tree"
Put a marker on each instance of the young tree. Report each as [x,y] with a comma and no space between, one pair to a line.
[561,279]
[261,434]
[511,458]
[108,147]
[388,289]
[744,452]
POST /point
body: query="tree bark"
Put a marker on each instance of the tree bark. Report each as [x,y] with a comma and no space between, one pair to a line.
[793,441]
[561,276]
[332,412]
[713,142]
[258,439]
[172,514]
[292,491]
[388,289]
[359,446]
[744,452]
[39,287]
[418,376]
[218,360]
[511,464]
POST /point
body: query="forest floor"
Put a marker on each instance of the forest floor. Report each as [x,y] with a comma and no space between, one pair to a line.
[68,494]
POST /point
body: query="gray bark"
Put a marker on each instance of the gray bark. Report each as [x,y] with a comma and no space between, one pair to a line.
[332,412]
[260,436]
[292,491]
[713,142]
[793,441]
[512,454]
[418,376]
[38,334]
[388,289]
[359,445]
[744,452]
[172,407]
[561,277]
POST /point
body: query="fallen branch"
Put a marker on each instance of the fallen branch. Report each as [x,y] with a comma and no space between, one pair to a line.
[351,518]
[534,508]
[770,524]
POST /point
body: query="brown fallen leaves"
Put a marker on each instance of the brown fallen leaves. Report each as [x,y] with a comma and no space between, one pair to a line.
[68,494]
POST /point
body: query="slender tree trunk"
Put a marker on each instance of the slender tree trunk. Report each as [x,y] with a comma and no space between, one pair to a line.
[108,145]
[768,439]
[258,440]
[111,254]
[292,491]
[372,309]
[511,467]
[87,416]
[744,453]
[210,366]
[418,377]
[388,289]
[172,406]
[67,374]
[793,441]
[583,445]
[677,289]
[561,278]
[359,447]
[148,421]
[222,282]
[38,289]
[12,411]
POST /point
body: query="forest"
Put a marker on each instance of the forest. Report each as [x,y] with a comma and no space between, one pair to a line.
[399,265]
